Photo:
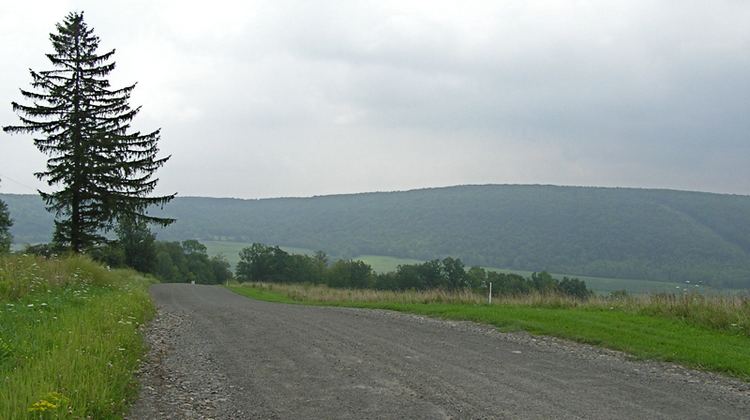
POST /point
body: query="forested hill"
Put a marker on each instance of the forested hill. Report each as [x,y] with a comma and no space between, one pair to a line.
[613,232]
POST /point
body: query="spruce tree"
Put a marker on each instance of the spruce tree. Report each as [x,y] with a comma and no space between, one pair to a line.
[102,168]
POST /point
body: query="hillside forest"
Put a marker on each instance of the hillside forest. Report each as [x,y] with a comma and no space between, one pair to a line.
[663,235]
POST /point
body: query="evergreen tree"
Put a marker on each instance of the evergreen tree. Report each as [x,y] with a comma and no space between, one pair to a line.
[5,224]
[103,169]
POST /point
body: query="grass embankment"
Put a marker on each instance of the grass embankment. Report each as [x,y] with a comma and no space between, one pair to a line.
[705,332]
[69,340]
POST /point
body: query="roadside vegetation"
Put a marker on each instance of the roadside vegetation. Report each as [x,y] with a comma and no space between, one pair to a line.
[136,247]
[699,331]
[69,337]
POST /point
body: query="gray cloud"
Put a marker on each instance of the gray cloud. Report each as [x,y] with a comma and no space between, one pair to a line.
[276,98]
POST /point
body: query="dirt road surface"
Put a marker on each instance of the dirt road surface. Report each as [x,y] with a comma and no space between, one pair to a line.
[215,354]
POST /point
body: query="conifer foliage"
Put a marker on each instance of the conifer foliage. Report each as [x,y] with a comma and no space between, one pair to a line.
[103,170]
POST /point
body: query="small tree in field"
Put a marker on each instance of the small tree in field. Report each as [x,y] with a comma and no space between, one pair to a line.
[104,169]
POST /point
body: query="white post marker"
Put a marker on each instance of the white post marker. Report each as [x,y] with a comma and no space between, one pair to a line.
[489,296]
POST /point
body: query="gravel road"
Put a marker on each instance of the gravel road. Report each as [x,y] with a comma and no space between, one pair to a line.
[215,354]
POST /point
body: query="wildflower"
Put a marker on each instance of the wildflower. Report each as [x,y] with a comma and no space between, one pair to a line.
[42,406]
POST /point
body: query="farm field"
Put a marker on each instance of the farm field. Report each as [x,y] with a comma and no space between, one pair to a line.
[606,285]
[382,264]
[231,250]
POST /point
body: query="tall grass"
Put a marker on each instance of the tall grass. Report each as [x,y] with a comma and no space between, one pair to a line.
[69,340]
[21,275]
[721,312]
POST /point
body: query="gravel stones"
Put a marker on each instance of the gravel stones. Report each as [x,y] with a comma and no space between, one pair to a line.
[178,379]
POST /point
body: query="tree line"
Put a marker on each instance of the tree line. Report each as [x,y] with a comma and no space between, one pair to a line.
[262,263]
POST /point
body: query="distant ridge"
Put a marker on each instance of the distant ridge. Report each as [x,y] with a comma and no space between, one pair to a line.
[636,233]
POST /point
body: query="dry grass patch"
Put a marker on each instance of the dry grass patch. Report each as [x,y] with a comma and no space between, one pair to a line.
[721,312]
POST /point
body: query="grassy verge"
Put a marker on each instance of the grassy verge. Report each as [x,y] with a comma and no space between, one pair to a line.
[69,340]
[714,337]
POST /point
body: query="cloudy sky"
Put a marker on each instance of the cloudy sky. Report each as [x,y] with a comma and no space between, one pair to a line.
[298,98]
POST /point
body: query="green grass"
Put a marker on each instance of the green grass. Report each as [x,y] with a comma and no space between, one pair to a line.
[650,335]
[69,340]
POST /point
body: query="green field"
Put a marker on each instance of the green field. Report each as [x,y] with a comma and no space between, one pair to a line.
[231,250]
[606,285]
[660,336]
[383,264]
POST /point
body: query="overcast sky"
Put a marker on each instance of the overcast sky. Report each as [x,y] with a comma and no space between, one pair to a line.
[298,98]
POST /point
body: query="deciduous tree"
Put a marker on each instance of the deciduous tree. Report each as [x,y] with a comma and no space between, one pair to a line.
[137,243]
